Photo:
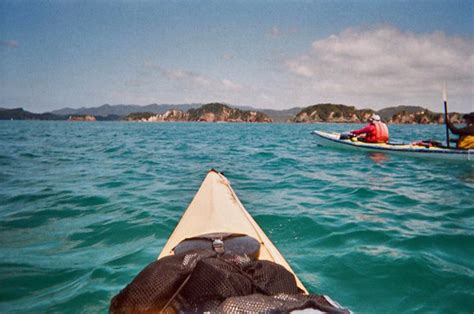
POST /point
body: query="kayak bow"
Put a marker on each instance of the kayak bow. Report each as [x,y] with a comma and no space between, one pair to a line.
[216,208]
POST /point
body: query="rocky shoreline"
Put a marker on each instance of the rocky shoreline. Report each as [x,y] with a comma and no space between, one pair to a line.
[219,112]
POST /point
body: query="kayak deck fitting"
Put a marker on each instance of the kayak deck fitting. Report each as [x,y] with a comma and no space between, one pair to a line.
[333,140]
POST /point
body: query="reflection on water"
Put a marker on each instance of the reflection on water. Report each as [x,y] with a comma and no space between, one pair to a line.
[378,157]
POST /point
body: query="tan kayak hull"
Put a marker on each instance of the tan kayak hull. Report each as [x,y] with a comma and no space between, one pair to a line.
[216,208]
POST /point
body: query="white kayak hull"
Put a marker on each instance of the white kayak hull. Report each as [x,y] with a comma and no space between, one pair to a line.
[332,140]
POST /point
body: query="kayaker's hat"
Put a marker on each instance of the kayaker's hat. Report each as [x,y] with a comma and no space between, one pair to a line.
[469,117]
[375,117]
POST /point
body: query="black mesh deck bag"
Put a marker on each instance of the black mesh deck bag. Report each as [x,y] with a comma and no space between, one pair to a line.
[202,280]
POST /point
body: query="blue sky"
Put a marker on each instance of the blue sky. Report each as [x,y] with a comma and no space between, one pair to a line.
[267,54]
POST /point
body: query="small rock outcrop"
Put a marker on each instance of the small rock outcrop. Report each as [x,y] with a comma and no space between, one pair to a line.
[86,117]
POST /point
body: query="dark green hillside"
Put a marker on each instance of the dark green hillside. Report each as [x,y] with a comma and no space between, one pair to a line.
[388,113]
[139,115]
[20,114]
[215,108]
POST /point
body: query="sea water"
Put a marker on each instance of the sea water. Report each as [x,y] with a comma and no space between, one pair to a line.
[85,206]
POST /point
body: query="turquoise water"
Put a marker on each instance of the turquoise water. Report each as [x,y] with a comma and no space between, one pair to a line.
[85,206]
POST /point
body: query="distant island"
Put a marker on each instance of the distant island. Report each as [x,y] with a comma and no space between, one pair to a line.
[219,112]
[213,112]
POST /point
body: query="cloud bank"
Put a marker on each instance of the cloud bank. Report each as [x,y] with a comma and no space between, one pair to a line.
[177,85]
[385,66]
[371,68]
[195,80]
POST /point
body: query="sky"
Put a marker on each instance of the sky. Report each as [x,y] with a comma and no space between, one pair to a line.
[265,54]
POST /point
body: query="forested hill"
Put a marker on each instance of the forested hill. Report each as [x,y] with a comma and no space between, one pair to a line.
[349,114]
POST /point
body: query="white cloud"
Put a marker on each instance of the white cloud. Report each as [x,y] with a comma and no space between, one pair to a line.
[300,68]
[228,84]
[185,76]
[277,32]
[385,66]
[265,99]
[228,56]
[9,43]
[190,79]
[179,85]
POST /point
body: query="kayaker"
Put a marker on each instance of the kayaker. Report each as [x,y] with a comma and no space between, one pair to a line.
[466,134]
[375,132]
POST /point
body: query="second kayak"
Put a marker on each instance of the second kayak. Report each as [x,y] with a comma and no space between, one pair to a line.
[333,140]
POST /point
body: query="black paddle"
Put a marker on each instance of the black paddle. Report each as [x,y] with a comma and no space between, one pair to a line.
[446,115]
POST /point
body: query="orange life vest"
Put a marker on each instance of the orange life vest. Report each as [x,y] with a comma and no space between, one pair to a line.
[380,135]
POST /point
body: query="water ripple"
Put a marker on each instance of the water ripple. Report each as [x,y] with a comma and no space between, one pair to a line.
[85,206]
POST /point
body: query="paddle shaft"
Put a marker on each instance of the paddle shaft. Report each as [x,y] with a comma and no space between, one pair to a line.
[446,121]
